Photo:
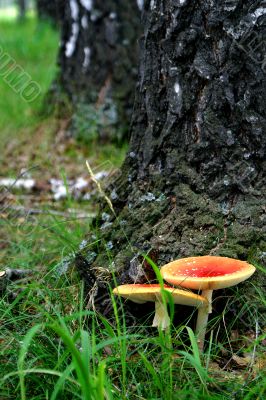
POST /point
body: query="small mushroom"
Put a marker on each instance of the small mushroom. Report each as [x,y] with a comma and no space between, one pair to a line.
[206,273]
[141,293]
[2,280]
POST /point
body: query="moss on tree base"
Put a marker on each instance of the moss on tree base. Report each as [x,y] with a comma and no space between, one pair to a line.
[170,226]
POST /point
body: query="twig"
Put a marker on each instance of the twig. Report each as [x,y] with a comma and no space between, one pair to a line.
[252,361]
[100,188]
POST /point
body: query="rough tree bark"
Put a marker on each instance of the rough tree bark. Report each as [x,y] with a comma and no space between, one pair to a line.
[194,178]
[99,56]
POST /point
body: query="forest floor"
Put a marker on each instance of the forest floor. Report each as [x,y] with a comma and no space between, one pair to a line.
[47,203]
[37,149]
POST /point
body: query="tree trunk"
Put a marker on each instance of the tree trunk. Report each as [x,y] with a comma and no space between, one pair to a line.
[49,10]
[21,9]
[98,62]
[194,177]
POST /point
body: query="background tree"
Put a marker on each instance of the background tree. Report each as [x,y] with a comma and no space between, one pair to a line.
[49,10]
[193,180]
[21,9]
[98,60]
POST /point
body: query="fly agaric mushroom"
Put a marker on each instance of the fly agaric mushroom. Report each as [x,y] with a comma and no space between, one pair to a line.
[206,273]
[141,293]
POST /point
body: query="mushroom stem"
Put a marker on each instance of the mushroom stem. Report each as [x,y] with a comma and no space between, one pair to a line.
[208,295]
[161,317]
[201,326]
[202,320]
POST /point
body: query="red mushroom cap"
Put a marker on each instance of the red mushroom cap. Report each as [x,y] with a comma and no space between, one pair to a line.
[206,272]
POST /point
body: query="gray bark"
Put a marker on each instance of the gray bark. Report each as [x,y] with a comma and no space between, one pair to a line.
[193,182]
[98,59]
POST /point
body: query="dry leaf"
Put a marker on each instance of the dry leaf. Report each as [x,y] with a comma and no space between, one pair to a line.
[242,362]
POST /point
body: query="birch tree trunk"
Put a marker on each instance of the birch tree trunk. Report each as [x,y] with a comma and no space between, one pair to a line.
[98,59]
[193,182]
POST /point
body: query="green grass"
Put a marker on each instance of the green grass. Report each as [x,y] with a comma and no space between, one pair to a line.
[33,46]
[52,348]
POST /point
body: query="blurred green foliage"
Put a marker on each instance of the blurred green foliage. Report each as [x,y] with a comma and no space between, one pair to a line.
[33,46]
